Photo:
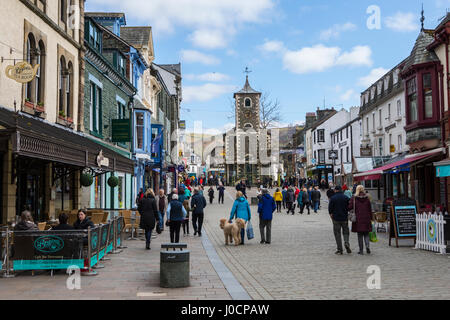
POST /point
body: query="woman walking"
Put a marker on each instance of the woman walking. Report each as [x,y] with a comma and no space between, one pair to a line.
[278,197]
[149,215]
[175,216]
[360,203]
[241,210]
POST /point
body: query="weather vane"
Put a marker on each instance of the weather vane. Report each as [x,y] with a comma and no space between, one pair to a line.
[422,19]
[247,71]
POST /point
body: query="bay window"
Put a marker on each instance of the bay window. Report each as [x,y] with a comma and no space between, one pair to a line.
[412,99]
[428,96]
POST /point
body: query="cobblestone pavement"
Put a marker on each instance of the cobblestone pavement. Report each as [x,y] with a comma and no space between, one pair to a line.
[133,272]
[301,264]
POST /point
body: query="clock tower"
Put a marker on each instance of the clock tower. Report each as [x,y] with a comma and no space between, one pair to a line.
[247,104]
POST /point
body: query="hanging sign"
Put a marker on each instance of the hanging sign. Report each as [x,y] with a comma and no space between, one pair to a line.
[22,72]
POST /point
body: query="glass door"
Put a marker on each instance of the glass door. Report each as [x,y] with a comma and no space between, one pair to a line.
[31,193]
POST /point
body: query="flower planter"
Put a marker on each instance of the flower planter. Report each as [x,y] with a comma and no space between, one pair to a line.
[29,104]
[39,108]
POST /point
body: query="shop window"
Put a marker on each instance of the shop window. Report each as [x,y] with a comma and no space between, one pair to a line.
[412,100]
[428,96]
[368,184]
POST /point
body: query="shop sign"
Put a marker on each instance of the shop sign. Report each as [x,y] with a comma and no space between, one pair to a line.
[182,124]
[22,72]
[102,161]
[342,144]
[366,152]
[121,130]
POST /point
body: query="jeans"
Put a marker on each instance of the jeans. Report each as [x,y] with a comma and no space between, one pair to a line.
[265,224]
[290,207]
[185,224]
[148,236]
[316,206]
[242,235]
[161,219]
[175,231]
[221,196]
[197,218]
[278,206]
[363,237]
[337,226]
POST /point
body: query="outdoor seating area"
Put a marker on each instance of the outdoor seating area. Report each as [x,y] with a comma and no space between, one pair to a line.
[53,250]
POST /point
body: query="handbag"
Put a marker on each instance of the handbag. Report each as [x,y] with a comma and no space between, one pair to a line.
[250,233]
[373,234]
[352,214]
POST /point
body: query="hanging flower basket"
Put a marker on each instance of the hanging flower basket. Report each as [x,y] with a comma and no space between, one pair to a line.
[113,181]
[86,180]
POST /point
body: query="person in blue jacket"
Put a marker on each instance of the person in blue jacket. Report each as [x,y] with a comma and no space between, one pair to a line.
[284,193]
[266,208]
[241,210]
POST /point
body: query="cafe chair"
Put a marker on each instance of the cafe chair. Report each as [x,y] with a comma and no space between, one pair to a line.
[381,219]
[97,218]
[42,225]
[72,218]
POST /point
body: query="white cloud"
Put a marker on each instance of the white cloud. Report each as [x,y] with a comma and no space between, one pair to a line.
[403,22]
[372,77]
[215,131]
[359,56]
[193,56]
[336,30]
[208,77]
[194,15]
[349,94]
[320,58]
[206,92]
[272,46]
[208,39]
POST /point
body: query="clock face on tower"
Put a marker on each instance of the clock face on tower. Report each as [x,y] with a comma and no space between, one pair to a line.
[248,114]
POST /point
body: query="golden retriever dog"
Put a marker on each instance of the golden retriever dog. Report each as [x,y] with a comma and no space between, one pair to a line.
[232,230]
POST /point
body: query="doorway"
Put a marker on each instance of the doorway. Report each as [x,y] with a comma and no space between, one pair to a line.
[31,188]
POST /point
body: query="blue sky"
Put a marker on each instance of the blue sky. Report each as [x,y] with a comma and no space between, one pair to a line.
[299,51]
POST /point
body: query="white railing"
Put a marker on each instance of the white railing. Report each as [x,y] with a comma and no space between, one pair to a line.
[430,232]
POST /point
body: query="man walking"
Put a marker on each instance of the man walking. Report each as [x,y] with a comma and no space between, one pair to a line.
[290,198]
[162,204]
[338,210]
[266,207]
[198,204]
[221,189]
[315,197]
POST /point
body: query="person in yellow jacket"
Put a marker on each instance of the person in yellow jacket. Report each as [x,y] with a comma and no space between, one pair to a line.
[278,197]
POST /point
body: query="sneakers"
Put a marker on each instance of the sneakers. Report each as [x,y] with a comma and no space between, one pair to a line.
[368,250]
[347,247]
[339,252]
[262,242]
[360,252]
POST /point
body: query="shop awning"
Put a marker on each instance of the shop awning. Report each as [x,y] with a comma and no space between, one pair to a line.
[442,168]
[376,174]
[37,138]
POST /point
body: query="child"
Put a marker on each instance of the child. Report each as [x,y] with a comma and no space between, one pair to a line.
[211,195]
[186,220]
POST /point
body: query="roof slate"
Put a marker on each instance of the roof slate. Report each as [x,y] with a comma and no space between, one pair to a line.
[137,36]
[420,54]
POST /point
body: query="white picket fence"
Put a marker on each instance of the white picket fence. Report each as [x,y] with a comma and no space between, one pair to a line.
[430,232]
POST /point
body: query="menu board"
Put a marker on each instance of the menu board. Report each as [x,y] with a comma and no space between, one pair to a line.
[405,220]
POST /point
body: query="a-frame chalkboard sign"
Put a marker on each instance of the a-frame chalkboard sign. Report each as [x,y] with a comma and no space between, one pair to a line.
[403,220]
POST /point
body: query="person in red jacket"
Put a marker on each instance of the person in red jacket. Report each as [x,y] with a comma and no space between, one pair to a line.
[364,217]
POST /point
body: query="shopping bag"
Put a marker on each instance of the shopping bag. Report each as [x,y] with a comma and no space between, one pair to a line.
[250,233]
[373,234]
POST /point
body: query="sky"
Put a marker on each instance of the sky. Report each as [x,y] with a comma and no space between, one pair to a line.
[304,53]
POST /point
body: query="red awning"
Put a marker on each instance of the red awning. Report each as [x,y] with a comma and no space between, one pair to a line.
[375,174]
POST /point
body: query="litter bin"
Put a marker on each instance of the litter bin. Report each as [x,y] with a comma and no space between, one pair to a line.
[175,266]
